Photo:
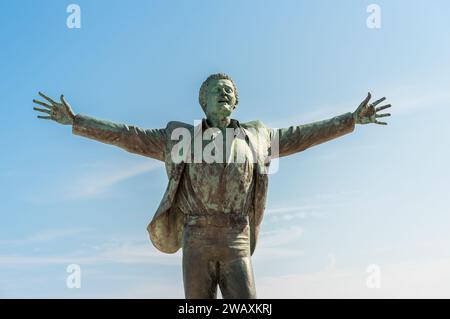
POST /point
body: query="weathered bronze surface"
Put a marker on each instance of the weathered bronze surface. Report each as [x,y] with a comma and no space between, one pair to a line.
[214,203]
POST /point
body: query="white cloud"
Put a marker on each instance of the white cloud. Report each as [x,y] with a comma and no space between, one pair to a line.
[272,244]
[135,253]
[53,234]
[113,252]
[429,279]
[305,209]
[290,213]
[96,179]
[48,235]
[403,100]
[281,236]
[277,244]
[319,112]
[315,207]
[97,183]
[21,260]
[146,289]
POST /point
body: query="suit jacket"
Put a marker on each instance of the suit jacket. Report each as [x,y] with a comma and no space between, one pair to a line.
[166,226]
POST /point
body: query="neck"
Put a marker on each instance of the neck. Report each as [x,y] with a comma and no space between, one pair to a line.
[220,123]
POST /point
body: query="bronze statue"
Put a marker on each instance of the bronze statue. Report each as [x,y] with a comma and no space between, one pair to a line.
[213,209]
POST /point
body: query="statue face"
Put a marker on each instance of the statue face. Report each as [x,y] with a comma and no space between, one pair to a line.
[220,99]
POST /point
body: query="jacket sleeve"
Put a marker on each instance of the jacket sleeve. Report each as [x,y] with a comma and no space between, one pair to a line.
[298,138]
[146,142]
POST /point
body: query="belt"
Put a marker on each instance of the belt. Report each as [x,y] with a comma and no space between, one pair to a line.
[219,219]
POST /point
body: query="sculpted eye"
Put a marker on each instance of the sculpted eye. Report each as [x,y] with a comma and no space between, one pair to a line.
[229,90]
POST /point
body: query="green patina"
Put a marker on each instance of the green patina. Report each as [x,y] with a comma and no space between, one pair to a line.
[213,210]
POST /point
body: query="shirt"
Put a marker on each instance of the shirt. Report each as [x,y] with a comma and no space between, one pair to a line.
[225,186]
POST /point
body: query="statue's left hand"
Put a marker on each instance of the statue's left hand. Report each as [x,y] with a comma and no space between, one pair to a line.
[367,113]
[60,112]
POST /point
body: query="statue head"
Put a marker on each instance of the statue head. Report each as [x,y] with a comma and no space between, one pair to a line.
[218,96]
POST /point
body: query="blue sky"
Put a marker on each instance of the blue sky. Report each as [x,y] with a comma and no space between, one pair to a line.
[378,196]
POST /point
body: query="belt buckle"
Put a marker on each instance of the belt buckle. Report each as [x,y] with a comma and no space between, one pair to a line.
[194,220]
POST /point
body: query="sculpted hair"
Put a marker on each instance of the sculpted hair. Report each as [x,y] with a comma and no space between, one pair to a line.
[204,88]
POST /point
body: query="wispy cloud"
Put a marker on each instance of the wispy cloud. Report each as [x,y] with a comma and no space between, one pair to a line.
[97,183]
[135,252]
[49,235]
[403,100]
[315,207]
[137,288]
[429,279]
[320,112]
[131,251]
[282,242]
[53,234]
[282,236]
[413,99]
[289,213]
[112,252]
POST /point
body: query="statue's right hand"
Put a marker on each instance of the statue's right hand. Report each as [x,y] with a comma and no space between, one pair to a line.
[60,112]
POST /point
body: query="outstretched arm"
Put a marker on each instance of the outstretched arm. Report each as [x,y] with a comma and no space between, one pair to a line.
[149,142]
[298,138]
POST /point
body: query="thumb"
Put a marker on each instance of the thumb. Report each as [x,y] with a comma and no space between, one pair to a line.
[366,100]
[66,105]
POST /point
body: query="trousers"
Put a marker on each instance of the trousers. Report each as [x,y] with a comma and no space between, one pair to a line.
[216,253]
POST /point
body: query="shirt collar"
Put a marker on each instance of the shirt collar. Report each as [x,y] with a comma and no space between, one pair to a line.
[233,124]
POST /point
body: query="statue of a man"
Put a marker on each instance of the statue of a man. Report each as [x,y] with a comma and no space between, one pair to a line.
[213,209]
